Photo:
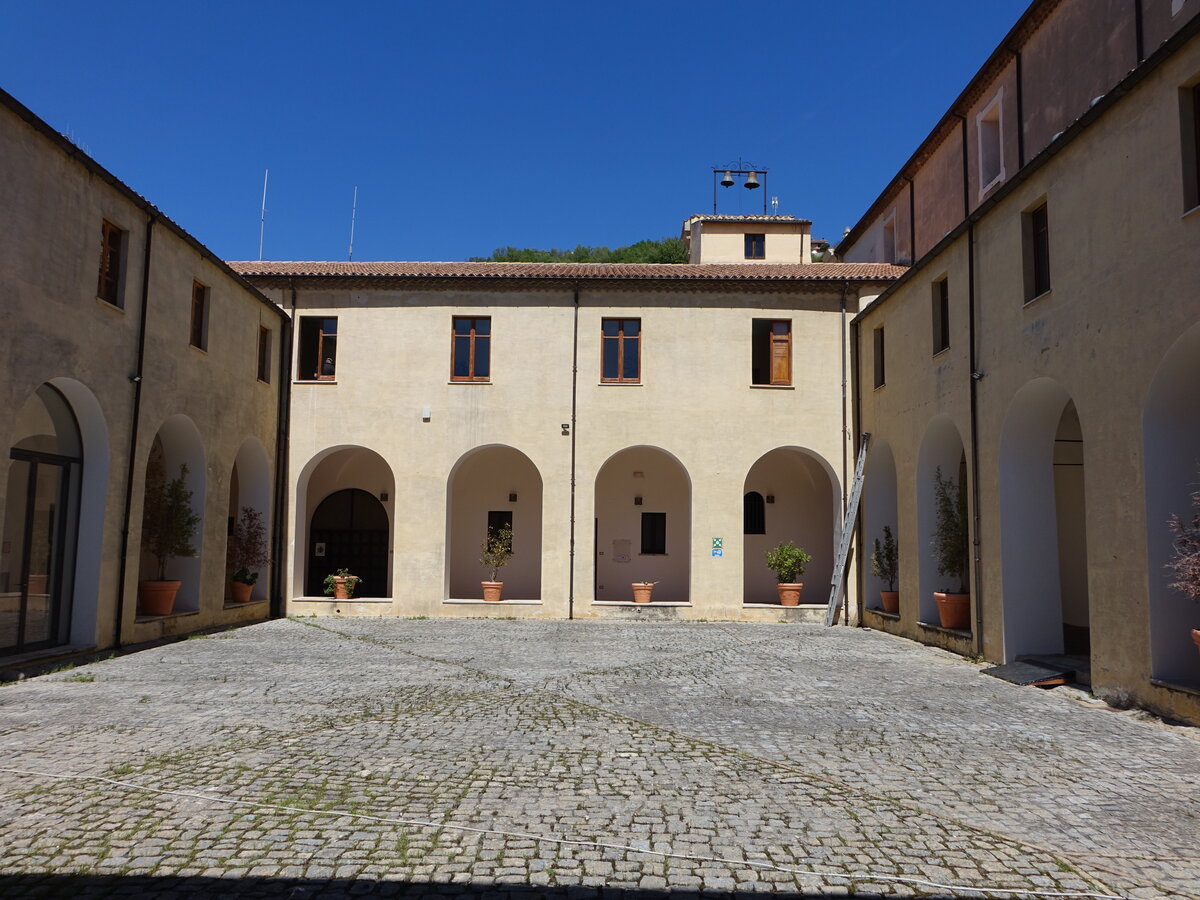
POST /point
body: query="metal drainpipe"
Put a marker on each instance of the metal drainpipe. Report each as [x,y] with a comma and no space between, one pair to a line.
[856,384]
[574,408]
[845,435]
[284,415]
[974,378]
[136,378]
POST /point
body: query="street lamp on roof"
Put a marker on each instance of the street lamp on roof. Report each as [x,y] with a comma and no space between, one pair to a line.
[750,182]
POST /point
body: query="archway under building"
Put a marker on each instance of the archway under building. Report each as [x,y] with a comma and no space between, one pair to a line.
[343,520]
[879,511]
[1043,525]
[798,496]
[250,487]
[1171,457]
[490,487]
[643,526]
[941,450]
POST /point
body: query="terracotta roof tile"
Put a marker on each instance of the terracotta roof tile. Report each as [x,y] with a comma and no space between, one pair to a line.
[574,271]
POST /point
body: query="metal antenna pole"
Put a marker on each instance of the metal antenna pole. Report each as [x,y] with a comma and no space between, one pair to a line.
[353,212]
[262,220]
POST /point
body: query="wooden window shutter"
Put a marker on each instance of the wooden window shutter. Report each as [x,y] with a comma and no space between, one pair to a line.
[781,353]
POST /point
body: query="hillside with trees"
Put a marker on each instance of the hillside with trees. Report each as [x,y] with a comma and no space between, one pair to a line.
[667,250]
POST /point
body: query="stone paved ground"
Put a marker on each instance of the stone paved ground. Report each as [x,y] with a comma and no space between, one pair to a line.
[557,759]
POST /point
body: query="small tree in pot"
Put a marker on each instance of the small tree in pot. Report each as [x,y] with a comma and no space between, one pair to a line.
[168,528]
[1185,564]
[495,553]
[952,549]
[247,553]
[788,562]
[885,565]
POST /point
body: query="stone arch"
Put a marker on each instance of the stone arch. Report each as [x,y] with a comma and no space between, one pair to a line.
[1043,537]
[803,502]
[488,486]
[879,510]
[1171,457]
[178,442]
[250,486]
[941,447]
[335,469]
[661,483]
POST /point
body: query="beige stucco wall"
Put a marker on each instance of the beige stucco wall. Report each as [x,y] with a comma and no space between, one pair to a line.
[1099,338]
[725,242]
[57,331]
[695,404]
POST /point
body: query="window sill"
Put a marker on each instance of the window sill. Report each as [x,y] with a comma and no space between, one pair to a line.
[260,381]
[773,387]
[994,183]
[1194,212]
[477,602]
[1039,297]
[631,603]
[1192,689]
[310,381]
[879,387]
[653,554]
[201,350]
[234,605]
[941,352]
[111,306]
[175,615]
[335,600]
[952,632]
[468,383]
[893,617]
[618,384]
[781,606]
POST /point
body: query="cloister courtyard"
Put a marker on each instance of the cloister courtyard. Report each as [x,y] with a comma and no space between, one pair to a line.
[314,757]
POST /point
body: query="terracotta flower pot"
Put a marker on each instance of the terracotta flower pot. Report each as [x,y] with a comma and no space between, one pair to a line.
[890,600]
[240,591]
[491,590]
[642,591]
[954,610]
[789,592]
[157,598]
[342,588]
[1196,637]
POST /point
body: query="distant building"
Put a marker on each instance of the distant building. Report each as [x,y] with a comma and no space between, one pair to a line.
[748,239]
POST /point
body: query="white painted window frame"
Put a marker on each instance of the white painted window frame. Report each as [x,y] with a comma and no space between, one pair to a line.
[996,107]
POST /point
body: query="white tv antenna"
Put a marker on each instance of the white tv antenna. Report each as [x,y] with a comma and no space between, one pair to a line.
[353,212]
[774,206]
[262,219]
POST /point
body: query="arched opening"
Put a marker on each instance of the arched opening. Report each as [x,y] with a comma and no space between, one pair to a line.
[1043,531]
[178,443]
[801,505]
[1171,454]
[643,526]
[879,511]
[490,487]
[941,449]
[250,488]
[41,525]
[367,549]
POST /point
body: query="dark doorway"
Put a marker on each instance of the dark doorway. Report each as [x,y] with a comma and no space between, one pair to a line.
[349,530]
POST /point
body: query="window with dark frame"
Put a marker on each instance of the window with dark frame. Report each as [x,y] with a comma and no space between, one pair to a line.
[880,375]
[471,349]
[498,519]
[1037,281]
[621,351]
[1189,132]
[111,247]
[941,315]
[199,329]
[264,354]
[756,246]
[771,352]
[754,513]
[654,533]
[317,353]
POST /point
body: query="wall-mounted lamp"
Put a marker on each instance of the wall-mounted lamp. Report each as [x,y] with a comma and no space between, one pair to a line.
[770,498]
[512,498]
[566,428]
[383,496]
[426,414]
[637,501]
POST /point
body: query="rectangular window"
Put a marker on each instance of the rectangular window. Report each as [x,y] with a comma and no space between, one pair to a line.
[199,329]
[654,533]
[988,125]
[1036,227]
[756,246]
[1189,132]
[621,351]
[317,360]
[471,349]
[771,352]
[264,354]
[941,315]
[112,249]
[497,519]
[880,375]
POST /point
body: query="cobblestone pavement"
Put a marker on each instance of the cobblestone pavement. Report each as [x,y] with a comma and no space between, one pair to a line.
[333,757]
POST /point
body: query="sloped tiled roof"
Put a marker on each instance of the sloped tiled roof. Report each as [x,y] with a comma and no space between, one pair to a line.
[822,272]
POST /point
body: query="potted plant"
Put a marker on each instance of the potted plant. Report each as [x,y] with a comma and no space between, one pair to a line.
[788,562]
[168,528]
[247,552]
[496,552]
[642,590]
[341,585]
[952,549]
[885,565]
[1185,564]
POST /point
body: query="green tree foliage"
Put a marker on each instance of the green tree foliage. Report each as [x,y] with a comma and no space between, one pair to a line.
[168,523]
[667,250]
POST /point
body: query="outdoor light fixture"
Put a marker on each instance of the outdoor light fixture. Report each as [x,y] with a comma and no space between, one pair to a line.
[741,167]
[383,496]
[566,429]
[770,498]
[512,498]
[637,501]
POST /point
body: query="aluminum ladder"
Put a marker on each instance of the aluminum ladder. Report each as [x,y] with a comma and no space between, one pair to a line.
[843,550]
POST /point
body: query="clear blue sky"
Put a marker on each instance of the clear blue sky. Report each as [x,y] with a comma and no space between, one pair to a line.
[472,125]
